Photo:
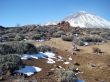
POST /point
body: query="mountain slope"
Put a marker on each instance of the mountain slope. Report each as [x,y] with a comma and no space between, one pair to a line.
[84,19]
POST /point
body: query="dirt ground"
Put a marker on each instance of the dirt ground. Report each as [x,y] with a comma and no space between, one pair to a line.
[44,75]
[95,67]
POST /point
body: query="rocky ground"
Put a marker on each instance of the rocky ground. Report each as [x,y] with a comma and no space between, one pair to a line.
[94,67]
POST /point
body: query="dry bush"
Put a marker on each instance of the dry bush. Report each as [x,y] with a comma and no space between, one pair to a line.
[17,48]
[44,48]
[105,35]
[10,63]
[67,76]
[96,50]
[91,39]
[58,34]
[67,38]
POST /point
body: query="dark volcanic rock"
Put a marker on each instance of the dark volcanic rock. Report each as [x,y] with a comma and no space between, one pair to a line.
[64,25]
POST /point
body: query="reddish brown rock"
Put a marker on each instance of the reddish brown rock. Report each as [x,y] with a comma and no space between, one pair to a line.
[64,26]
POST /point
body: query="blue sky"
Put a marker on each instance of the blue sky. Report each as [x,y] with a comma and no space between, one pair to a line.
[13,12]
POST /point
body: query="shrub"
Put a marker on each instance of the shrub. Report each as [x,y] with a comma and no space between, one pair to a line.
[80,43]
[91,39]
[19,37]
[67,38]
[75,30]
[10,62]
[67,76]
[58,34]
[61,32]
[6,49]
[105,35]
[97,39]
[95,32]
[44,48]
[36,37]
[23,47]
[96,50]
[17,48]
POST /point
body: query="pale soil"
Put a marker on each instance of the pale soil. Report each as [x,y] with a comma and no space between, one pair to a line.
[64,45]
[86,58]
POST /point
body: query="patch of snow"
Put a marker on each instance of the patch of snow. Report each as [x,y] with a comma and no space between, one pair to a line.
[24,39]
[59,58]
[42,40]
[52,69]
[50,61]
[38,56]
[25,57]
[50,54]
[79,80]
[29,70]
[78,73]
[60,66]
[76,34]
[86,43]
[70,58]
[66,62]
[35,56]
[77,69]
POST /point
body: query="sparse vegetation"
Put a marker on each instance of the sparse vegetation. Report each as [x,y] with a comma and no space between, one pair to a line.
[58,34]
[91,39]
[36,37]
[67,37]
[95,32]
[9,63]
[96,50]
[67,76]
[44,48]
[10,56]
[5,49]
[17,48]
[19,37]
[80,43]
[11,51]
[105,35]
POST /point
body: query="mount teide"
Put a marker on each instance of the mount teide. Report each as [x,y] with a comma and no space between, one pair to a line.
[84,19]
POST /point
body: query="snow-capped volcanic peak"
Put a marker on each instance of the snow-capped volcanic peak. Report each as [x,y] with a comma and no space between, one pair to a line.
[84,19]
